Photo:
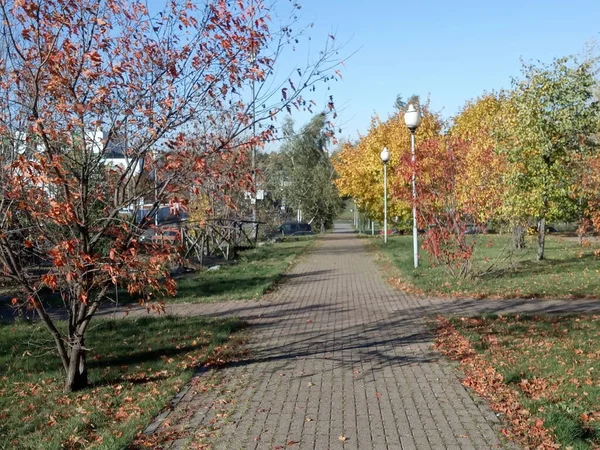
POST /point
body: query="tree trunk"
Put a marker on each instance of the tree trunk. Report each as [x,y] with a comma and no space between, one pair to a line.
[541,239]
[77,374]
[518,236]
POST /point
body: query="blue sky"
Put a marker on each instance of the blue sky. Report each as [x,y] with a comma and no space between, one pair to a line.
[450,50]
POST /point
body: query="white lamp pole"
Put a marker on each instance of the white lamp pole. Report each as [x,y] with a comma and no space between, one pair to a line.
[385,157]
[412,118]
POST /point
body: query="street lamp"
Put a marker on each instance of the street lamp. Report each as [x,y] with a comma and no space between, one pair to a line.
[412,118]
[385,157]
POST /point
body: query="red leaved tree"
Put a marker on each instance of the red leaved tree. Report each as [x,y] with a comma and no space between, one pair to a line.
[447,217]
[101,102]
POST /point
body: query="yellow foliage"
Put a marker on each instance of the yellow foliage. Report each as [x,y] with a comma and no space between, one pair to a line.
[199,209]
[482,181]
[360,170]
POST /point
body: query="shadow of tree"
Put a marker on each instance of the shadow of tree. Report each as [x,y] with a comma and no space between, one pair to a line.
[528,267]
[382,341]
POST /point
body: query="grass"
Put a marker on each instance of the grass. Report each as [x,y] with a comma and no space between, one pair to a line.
[257,271]
[569,270]
[136,366]
[553,363]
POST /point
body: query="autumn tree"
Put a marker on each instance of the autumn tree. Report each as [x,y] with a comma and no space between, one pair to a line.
[442,210]
[553,114]
[481,183]
[360,171]
[165,90]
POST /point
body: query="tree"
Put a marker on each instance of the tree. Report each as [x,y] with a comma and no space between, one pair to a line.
[360,171]
[553,114]
[481,182]
[441,209]
[307,173]
[165,91]
[401,105]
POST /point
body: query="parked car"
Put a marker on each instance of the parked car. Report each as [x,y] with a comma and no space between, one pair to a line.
[473,229]
[295,229]
[163,216]
[534,230]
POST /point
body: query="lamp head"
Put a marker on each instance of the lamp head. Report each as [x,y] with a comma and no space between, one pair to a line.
[412,117]
[385,155]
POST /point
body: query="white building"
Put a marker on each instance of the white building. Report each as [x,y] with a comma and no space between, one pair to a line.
[114,152]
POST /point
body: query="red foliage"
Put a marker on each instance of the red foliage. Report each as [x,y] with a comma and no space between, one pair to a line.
[166,89]
[447,218]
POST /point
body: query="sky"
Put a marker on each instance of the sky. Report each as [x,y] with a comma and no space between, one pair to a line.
[449,51]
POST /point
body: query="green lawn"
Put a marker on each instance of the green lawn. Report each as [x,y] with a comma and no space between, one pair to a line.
[256,272]
[553,363]
[137,365]
[569,270]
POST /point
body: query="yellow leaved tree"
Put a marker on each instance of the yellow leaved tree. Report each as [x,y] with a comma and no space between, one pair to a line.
[360,170]
[482,181]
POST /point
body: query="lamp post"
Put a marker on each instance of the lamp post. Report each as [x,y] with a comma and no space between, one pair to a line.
[412,118]
[385,157]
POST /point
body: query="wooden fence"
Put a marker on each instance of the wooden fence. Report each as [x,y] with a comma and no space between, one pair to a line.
[218,238]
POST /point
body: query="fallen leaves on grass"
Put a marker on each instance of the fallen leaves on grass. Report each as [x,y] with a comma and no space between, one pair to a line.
[161,354]
[482,378]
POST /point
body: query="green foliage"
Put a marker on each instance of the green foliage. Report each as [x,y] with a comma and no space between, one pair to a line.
[552,116]
[306,173]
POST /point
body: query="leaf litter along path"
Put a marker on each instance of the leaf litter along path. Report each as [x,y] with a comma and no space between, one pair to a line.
[339,359]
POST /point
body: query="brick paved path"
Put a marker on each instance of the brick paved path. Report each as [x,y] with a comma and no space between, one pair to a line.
[338,354]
